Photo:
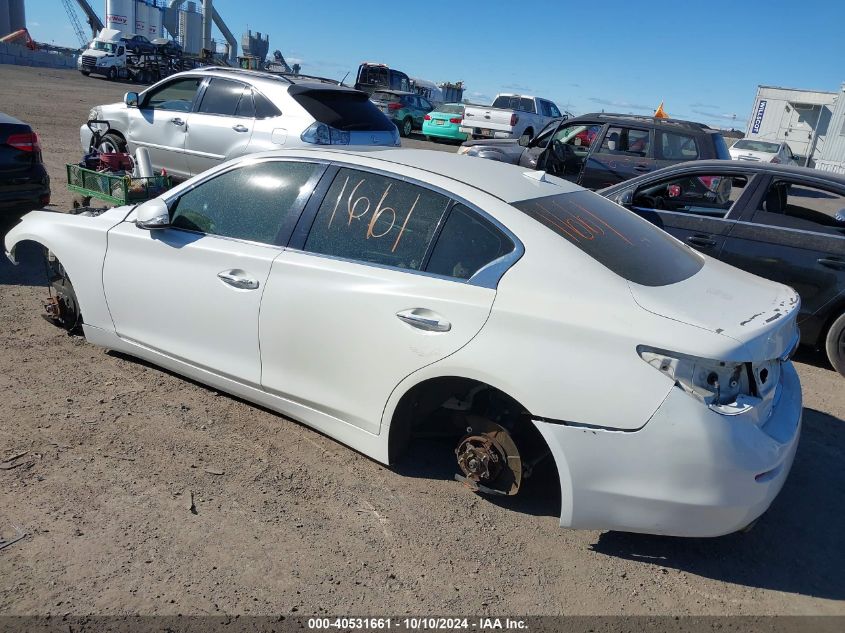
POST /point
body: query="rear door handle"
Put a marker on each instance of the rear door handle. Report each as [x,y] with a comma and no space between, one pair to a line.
[642,168]
[423,319]
[832,262]
[701,240]
[238,279]
[240,128]
[177,121]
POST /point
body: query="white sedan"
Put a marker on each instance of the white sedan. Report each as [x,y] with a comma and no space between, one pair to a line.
[762,151]
[376,294]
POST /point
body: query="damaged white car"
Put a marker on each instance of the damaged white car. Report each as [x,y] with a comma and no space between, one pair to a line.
[375,295]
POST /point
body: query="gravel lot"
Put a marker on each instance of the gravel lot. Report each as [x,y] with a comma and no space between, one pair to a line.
[296,523]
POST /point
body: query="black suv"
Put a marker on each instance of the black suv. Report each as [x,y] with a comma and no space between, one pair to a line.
[24,183]
[600,150]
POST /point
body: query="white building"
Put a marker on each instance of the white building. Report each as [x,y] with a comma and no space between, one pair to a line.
[799,117]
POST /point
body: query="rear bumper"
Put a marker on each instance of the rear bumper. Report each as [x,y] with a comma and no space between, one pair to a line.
[30,190]
[688,472]
[485,132]
[443,131]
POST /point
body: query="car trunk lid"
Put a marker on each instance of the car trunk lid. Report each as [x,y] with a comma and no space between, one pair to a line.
[758,313]
[19,149]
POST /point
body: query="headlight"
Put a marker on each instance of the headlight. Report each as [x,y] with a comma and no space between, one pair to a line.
[94,114]
[322,134]
[464,149]
[724,387]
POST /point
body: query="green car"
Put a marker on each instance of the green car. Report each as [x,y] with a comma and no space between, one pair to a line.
[445,122]
[405,109]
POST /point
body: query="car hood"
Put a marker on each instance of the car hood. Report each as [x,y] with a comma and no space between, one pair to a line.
[759,314]
[507,150]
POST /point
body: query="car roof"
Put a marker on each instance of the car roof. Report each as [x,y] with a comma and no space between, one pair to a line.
[509,183]
[659,122]
[316,83]
[394,92]
[739,166]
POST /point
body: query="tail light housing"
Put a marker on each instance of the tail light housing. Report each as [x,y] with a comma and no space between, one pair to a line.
[514,119]
[456,119]
[394,106]
[26,142]
[427,117]
[775,159]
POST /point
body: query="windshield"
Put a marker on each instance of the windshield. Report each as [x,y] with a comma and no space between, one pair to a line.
[97,45]
[620,240]
[757,146]
[451,108]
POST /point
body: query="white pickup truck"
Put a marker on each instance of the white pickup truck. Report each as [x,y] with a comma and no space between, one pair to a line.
[510,116]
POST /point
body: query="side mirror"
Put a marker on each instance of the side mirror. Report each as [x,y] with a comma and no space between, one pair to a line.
[153,214]
[131,99]
[840,215]
[626,198]
[524,140]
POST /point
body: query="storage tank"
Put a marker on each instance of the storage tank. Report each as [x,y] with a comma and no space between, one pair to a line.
[190,28]
[154,23]
[120,15]
[141,13]
[5,25]
[17,16]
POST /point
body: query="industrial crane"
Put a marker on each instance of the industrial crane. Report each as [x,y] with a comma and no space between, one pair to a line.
[92,18]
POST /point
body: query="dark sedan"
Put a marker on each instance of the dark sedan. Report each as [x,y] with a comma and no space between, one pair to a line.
[780,222]
[24,183]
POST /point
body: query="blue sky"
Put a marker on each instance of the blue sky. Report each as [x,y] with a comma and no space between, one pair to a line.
[703,59]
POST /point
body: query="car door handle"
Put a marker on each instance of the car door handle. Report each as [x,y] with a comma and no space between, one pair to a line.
[701,240]
[423,319]
[642,168]
[832,262]
[240,128]
[177,121]
[238,279]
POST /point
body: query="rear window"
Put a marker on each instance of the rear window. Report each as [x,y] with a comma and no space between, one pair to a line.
[380,95]
[342,109]
[630,246]
[451,108]
[757,146]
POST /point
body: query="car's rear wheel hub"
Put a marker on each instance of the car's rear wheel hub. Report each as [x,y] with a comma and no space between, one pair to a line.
[488,458]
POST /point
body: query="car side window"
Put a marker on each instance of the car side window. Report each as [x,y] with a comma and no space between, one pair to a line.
[553,111]
[579,135]
[467,244]
[246,106]
[799,206]
[372,218]
[247,203]
[264,108]
[623,141]
[526,105]
[709,194]
[221,97]
[176,96]
[674,146]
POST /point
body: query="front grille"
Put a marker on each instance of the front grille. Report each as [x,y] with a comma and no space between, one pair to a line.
[89,62]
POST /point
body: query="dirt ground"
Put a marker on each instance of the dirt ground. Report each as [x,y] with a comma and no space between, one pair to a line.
[142,492]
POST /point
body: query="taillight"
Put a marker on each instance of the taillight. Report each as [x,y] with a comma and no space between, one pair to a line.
[427,117]
[26,142]
[514,119]
[776,159]
[456,119]
[394,106]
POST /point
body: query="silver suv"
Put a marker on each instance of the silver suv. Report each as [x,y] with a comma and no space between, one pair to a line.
[195,120]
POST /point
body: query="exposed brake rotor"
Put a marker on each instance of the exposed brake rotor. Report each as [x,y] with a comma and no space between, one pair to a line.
[489,458]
